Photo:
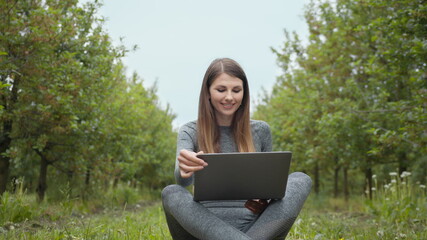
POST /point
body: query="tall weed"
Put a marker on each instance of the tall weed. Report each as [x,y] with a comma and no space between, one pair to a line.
[15,207]
[400,201]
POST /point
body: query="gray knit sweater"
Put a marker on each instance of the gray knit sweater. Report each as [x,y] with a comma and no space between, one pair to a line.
[187,139]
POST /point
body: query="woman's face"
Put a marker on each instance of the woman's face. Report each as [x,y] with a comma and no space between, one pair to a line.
[226,94]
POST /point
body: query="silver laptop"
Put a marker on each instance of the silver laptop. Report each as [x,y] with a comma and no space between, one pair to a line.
[241,176]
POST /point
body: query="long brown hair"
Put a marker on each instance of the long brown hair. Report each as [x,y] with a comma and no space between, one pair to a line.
[207,127]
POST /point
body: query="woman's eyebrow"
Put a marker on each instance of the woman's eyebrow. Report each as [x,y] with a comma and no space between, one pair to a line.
[223,86]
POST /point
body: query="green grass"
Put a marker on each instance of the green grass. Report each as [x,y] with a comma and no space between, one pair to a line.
[321,218]
[397,211]
[140,222]
[121,213]
[324,218]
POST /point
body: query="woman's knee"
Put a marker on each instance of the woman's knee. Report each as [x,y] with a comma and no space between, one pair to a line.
[167,194]
[301,178]
[173,193]
[170,189]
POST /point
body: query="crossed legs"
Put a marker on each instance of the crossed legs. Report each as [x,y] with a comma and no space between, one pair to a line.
[188,219]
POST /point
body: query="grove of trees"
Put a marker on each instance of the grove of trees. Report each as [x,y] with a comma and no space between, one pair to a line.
[351,102]
[69,114]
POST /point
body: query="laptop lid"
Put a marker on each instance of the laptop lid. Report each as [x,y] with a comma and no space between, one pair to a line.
[242,176]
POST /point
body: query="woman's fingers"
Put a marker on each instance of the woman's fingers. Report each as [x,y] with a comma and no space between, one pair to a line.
[183,160]
[189,163]
[186,174]
[186,171]
[187,168]
[192,157]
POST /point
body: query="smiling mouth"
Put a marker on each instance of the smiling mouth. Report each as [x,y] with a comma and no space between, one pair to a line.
[228,106]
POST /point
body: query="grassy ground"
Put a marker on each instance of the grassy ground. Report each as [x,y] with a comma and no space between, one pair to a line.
[328,218]
[321,218]
[397,211]
[141,221]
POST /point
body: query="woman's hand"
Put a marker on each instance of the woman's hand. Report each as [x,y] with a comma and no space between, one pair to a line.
[189,163]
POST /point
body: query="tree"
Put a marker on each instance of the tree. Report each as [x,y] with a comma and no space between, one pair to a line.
[66,101]
[59,62]
[354,87]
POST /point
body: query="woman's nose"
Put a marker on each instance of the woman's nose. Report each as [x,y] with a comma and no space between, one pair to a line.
[229,96]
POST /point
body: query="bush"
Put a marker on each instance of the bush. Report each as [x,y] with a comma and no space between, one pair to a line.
[15,207]
[400,201]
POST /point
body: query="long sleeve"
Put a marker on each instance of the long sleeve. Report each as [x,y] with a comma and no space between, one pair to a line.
[187,139]
[261,135]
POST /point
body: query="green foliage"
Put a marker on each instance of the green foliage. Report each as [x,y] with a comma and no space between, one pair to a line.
[401,201]
[321,218]
[147,223]
[334,218]
[122,213]
[20,207]
[70,117]
[13,209]
[16,207]
[122,196]
[355,96]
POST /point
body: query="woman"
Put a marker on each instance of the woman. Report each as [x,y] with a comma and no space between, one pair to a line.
[224,125]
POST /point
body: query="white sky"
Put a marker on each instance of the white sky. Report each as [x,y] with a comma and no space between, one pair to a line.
[177,41]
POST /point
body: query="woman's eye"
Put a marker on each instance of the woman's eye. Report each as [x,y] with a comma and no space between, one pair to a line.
[237,90]
[220,90]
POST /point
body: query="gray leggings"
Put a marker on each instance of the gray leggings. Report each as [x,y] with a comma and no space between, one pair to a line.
[188,219]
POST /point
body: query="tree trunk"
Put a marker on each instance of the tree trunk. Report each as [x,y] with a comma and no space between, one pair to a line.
[4,172]
[116,182]
[70,175]
[368,185]
[423,180]
[336,179]
[87,178]
[403,162]
[316,179]
[86,190]
[346,192]
[5,160]
[42,185]
[7,129]
[107,184]
[134,183]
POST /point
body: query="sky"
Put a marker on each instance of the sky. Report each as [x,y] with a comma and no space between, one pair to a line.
[177,40]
